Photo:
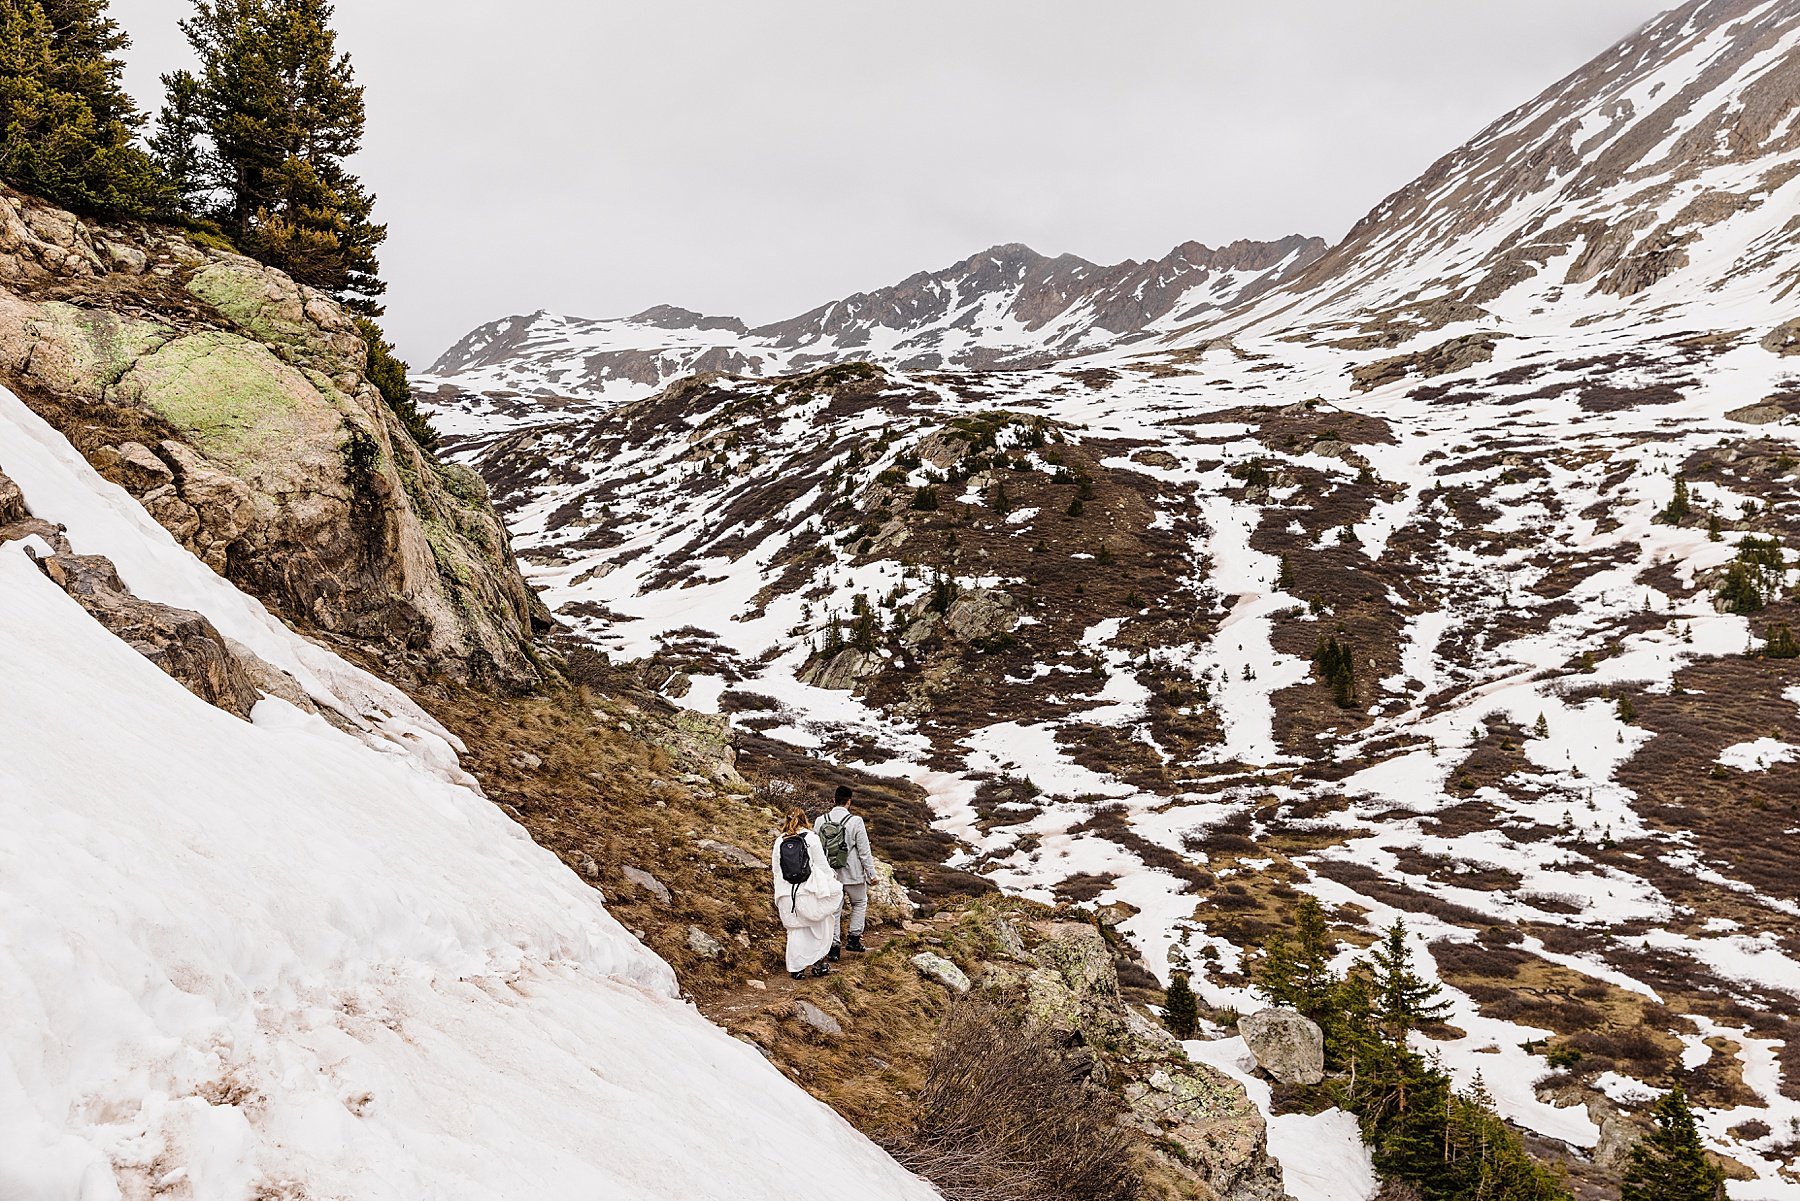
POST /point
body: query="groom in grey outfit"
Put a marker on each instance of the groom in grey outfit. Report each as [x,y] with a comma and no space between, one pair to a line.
[858,867]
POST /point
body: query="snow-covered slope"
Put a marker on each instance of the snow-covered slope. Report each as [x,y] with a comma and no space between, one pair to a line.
[1083,605]
[1663,172]
[275,960]
[1005,307]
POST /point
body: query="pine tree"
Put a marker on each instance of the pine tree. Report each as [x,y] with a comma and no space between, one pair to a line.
[1403,1000]
[1670,1164]
[67,127]
[1337,664]
[1296,973]
[259,139]
[1486,1160]
[1680,507]
[1284,582]
[177,144]
[1179,1012]
[1781,642]
[1741,592]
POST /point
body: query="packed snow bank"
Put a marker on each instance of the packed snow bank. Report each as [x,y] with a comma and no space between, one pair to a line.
[104,519]
[268,960]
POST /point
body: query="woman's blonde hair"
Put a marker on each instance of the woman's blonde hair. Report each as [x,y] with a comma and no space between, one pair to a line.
[796,822]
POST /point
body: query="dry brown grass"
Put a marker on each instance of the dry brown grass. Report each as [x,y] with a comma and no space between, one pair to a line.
[1001,1118]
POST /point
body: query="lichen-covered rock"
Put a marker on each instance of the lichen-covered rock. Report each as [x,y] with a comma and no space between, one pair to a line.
[1076,985]
[703,944]
[281,466]
[936,967]
[1207,1114]
[1287,1045]
[888,901]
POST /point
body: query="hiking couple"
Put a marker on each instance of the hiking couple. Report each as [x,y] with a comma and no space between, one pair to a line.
[820,871]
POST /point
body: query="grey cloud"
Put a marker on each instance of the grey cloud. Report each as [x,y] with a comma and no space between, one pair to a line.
[757,158]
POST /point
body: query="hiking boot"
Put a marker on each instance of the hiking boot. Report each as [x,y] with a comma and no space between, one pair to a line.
[855,944]
[836,953]
[798,975]
[821,968]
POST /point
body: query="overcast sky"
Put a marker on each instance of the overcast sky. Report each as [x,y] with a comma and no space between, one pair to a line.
[759,157]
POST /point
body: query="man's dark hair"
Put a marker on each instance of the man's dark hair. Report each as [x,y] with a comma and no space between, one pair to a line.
[843,793]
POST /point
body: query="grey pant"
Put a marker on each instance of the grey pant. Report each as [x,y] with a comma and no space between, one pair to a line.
[856,900]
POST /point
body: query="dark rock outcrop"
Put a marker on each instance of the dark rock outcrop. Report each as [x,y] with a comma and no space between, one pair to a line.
[184,644]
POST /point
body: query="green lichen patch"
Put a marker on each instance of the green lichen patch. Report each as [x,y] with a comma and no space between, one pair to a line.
[232,398]
[268,307]
[86,350]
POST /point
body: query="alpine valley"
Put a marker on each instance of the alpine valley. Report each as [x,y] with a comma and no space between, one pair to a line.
[1445,573]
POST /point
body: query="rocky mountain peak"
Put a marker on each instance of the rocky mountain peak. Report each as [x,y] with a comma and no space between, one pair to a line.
[1008,306]
[668,316]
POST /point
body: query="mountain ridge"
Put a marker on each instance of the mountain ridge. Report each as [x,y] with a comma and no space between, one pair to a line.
[1005,307]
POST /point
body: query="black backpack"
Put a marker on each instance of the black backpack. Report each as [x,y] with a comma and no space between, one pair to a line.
[796,863]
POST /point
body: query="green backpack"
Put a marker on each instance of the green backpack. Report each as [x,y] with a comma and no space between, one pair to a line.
[837,846]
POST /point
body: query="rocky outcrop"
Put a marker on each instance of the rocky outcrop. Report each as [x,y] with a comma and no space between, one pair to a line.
[1784,339]
[12,503]
[981,615]
[1288,1045]
[182,643]
[236,405]
[843,670]
[1458,354]
[1218,1138]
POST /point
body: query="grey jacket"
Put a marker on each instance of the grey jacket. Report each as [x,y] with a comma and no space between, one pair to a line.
[860,867]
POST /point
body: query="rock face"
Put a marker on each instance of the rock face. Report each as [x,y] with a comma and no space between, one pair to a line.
[1287,1045]
[184,644]
[235,404]
[1072,988]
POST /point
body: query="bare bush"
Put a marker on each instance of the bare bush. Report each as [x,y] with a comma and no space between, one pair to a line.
[1004,1116]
